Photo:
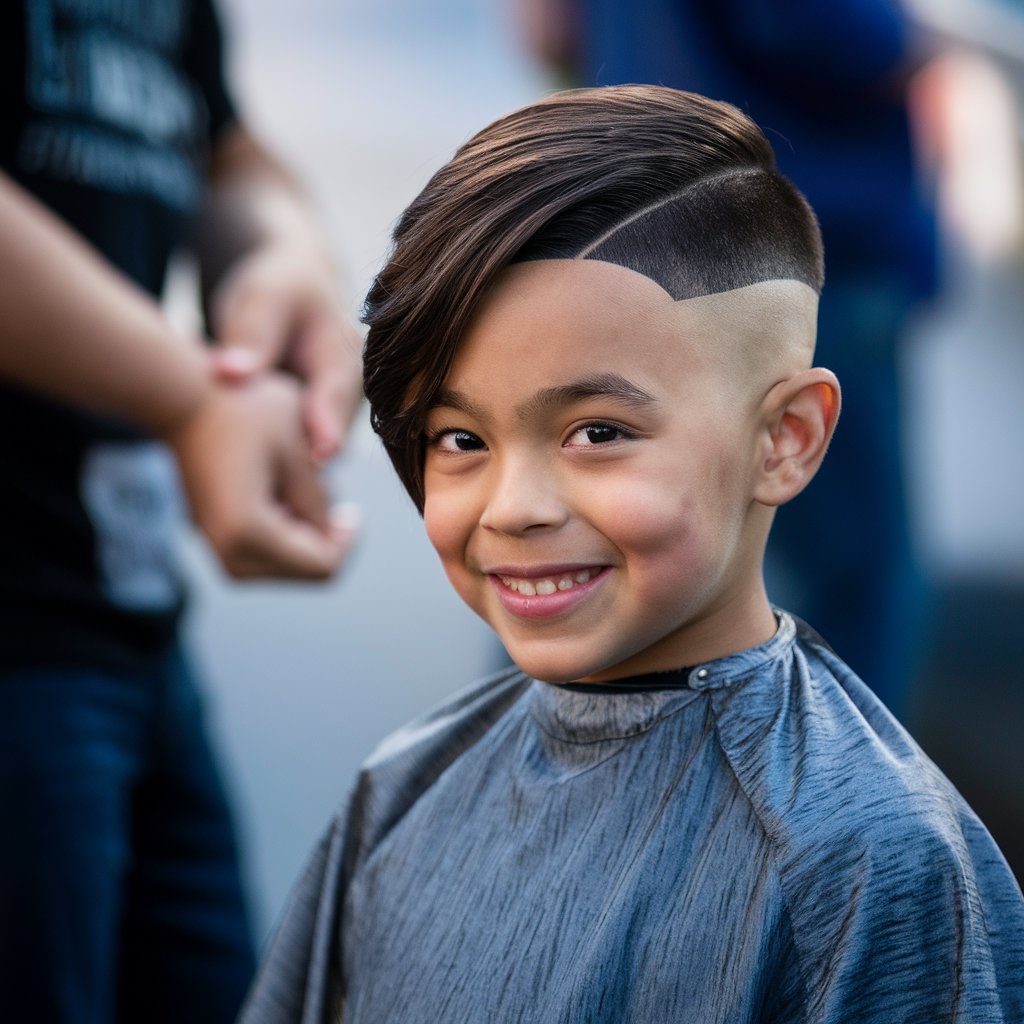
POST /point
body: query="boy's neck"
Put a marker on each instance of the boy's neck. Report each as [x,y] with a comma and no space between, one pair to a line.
[740,623]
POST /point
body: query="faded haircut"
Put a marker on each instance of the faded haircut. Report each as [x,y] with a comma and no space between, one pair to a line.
[673,185]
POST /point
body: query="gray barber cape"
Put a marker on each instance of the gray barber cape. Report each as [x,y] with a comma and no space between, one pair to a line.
[757,841]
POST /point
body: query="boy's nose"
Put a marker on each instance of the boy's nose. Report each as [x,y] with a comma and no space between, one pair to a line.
[523,496]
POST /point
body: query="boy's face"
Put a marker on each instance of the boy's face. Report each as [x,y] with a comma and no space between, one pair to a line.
[590,470]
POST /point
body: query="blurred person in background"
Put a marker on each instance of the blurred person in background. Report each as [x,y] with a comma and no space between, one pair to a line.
[829,85]
[967,110]
[120,896]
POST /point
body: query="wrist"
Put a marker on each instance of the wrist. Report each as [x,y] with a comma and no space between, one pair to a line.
[184,389]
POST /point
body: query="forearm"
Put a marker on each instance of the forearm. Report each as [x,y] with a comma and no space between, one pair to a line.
[253,201]
[76,329]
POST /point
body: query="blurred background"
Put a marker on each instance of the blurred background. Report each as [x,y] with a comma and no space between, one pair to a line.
[366,98]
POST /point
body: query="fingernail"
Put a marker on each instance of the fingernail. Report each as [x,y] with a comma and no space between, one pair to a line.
[237,360]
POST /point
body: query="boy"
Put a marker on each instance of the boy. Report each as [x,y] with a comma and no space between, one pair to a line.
[589,358]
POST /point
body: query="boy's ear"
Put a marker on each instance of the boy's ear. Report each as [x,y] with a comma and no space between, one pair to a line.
[800,416]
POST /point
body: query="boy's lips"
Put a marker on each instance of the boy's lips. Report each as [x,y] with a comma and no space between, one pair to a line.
[543,591]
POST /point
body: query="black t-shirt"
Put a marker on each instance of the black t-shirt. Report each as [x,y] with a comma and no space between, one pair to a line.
[110,111]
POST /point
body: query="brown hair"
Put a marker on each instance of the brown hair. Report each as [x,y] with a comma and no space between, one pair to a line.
[669,183]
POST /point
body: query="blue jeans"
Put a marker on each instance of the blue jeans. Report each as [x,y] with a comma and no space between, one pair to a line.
[119,891]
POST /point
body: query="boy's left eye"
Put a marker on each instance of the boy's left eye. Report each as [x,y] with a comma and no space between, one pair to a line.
[597,433]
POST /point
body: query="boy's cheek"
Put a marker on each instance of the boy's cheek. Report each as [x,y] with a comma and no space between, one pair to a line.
[669,547]
[647,521]
[447,525]
[448,539]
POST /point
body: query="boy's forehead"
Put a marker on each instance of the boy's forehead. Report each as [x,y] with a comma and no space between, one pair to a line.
[770,316]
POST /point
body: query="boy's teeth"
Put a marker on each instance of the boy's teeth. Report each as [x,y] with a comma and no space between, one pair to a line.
[530,588]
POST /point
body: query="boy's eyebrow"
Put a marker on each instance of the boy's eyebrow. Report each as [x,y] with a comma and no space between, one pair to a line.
[598,385]
[446,398]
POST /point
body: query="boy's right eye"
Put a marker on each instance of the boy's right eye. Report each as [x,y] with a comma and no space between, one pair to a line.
[456,441]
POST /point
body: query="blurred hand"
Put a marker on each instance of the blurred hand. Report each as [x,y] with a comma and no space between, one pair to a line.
[253,488]
[278,307]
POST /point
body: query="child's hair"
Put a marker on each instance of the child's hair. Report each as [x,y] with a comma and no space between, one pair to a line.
[678,187]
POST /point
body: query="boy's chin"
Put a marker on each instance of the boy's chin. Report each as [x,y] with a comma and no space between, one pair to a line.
[551,668]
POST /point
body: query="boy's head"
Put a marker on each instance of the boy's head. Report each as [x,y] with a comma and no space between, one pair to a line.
[588,358]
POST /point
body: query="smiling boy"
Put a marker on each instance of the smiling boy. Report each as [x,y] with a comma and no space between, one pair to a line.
[589,358]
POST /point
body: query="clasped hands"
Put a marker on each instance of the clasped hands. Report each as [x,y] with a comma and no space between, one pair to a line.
[285,384]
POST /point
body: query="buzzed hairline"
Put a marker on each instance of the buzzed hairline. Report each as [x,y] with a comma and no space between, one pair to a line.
[710,293]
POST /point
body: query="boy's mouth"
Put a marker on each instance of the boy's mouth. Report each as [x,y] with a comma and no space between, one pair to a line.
[545,585]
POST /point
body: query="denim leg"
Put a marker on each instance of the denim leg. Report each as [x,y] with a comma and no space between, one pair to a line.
[119,890]
[187,951]
[71,751]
